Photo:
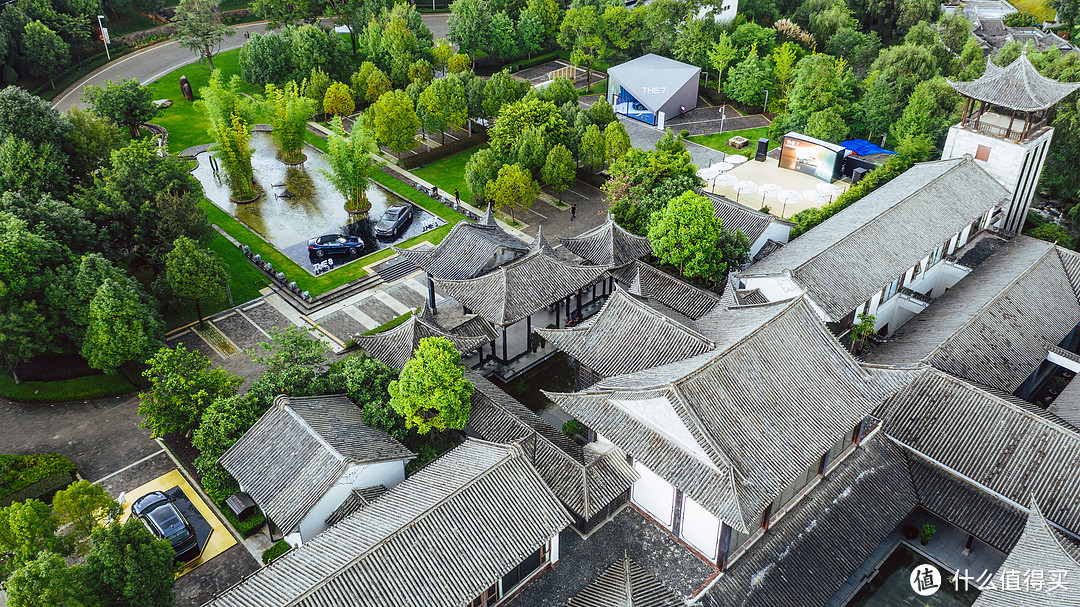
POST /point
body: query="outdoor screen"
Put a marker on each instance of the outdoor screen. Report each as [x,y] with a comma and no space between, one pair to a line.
[809,158]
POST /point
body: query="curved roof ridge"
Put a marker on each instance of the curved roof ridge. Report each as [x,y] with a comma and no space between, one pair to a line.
[1018,86]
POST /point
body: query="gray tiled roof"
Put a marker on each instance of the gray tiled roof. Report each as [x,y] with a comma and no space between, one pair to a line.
[770,247]
[1067,404]
[646,281]
[625,584]
[608,245]
[956,500]
[995,325]
[734,216]
[732,428]
[357,499]
[436,540]
[1002,444]
[809,554]
[1018,86]
[396,346]
[523,286]
[1041,548]
[857,252]
[628,335]
[299,448]
[584,484]
[469,250]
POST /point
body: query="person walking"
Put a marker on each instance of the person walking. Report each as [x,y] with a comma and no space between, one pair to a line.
[573,211]
[457,200]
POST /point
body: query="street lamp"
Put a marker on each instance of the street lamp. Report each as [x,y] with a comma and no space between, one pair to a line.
[765,108]
[723,115]
[104,36]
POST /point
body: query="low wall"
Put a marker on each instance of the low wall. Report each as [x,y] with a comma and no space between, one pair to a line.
[479,137]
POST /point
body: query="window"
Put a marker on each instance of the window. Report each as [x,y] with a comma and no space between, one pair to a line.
[915,273]
[531,563]
[891,290]
[765,516]
[488,597]
[983,153]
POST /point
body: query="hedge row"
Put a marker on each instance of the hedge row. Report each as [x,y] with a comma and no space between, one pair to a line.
[26,476]
[275,551]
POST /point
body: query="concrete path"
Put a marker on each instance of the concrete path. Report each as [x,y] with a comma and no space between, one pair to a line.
[645,137]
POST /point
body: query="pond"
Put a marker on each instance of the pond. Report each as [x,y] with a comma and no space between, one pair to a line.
[298,203]
[891,587]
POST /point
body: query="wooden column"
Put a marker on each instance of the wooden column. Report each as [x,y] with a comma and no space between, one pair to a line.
[431,292]
[1027,121]
[504,357]
[1008,131]
[558,304]
[528,333]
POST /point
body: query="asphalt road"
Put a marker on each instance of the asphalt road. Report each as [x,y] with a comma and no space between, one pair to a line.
[150,64]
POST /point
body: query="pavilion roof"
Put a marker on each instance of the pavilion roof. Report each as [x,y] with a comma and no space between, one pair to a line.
[469,250]
[530,283]
[734,426]
[1017,86]
[396,346]
[608,245]
[625,584]
[644,280]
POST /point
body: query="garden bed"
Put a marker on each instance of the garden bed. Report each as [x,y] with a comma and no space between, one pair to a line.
[64,390]
[24,477]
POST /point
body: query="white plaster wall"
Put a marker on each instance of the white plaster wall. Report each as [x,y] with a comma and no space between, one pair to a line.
[774,288]
[700,528]
[778,231]
[653,495]
[387,474]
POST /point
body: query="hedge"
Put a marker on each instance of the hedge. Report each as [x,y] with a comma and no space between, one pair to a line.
[248,526]
[27,476]
[275,551]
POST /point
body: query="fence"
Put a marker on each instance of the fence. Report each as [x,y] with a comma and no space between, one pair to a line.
[412,161]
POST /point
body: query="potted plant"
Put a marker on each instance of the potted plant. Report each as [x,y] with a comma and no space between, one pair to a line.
[927,533]
[910,532]
[861,331]
[536,341]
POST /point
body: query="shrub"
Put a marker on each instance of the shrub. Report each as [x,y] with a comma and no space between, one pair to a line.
[573,427]
[275,551]
[1052,233]
[248,526]
[17,472]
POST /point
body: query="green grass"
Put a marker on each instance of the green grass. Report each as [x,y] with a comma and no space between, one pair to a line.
[718,141]
[79,388]
[245,281]
[597,88]
[1040,8]
[386,326]
[185,120]
[275,551]
[248,526]
[449,173]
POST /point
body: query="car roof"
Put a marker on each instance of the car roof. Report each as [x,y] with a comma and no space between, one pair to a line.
[167,518]
[144,502]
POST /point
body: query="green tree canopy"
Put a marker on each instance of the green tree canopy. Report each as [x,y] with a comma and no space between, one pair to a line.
[500,90]
[616,141]
[26,530]
[223,422]
[338,100]
[85,506]
[591,148]
[44,52]
[393,121]
[47,581]
[513,188]
[122,326]
[481,169]
[194,272]
[432,393]
[124,103]
[749,79]
[367,382]
[531,32]
[443,106]
[685,233]
[182,386]
[560,170]
[267,59]
[295,363]
[32,169]
[199,28]
[129,567]
[351,164]
[469,25]
[30,117]
[289,113]
[515,118]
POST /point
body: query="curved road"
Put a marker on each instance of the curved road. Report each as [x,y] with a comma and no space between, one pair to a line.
[151,63]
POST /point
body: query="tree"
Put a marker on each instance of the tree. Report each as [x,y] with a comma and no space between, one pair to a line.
[560,170]
[224,109]
[748,81]
[283,12]
[469,25]
[267,59]
[601,113]
[46,581]
[122,327]
[127,566]
[351,164]
[26,530]
[828,125]
[432,393]
[30,117]
[32,169]
[93,141]
[289,112]
[223,422]
[591,148]
[441,53]
[481,169]
[583,32]
[195,273]
[443,106]
[314,87]
[560,91]
[124,103]
[1067,10]
[616,141]
[516,118]
[85,506]
[684,234]
[513,187]
[44,52]
[458,63]
[338,100]
[693,41]
[531,32]
[369,82]
[199,28]
[502,37]
[393,121]
[784,66]
[720,55]
[367,382]
[1051,232]
[182,386]
[421,71]
[502,89]
[863,329]
[296,364]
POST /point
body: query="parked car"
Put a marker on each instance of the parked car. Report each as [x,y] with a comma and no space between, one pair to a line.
[165,521]
[334,244]
[394,220]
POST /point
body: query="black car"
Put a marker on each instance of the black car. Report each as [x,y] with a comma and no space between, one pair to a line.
[165,521]
[394,221]
[334,244]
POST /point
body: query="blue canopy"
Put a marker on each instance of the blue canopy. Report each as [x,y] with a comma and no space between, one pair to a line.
[863,147]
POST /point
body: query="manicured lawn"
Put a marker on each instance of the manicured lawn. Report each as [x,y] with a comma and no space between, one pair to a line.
[1040,8]
[245,281]
[79,388]
[718,141]
[449,173]
[596,88]
[185,120]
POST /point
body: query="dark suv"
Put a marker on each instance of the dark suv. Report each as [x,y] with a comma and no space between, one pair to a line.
[393,221]
[165,521]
